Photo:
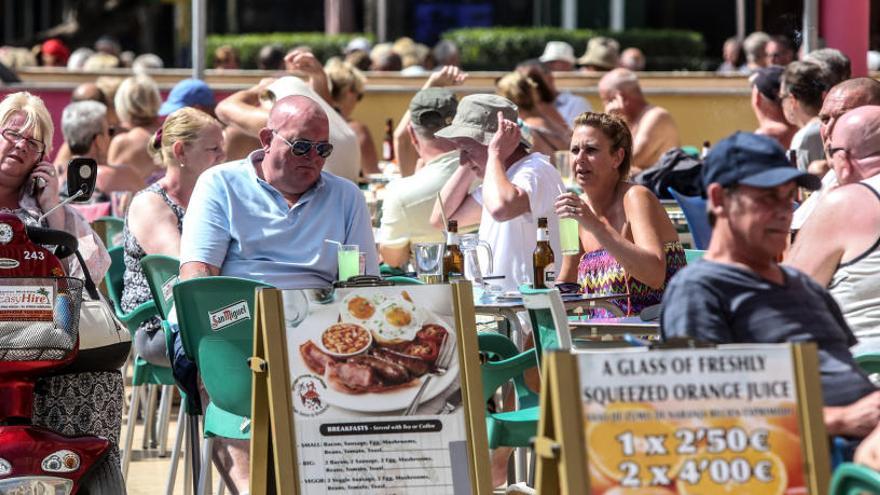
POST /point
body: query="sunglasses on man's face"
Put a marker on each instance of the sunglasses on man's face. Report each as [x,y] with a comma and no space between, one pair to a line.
[300,147]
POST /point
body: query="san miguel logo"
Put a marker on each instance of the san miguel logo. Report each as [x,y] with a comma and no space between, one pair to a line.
[228,315]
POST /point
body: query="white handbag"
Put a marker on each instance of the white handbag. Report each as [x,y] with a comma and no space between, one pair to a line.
[104,342]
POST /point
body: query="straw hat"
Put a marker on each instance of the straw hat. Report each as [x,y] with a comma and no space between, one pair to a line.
[601,52]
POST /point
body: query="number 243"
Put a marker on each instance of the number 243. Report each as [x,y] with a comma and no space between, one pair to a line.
[34,255]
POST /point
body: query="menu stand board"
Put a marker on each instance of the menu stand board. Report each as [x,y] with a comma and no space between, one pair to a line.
[375,391]
[727,419]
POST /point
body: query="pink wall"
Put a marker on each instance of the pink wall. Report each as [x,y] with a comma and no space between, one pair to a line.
[844,25]
[57,99]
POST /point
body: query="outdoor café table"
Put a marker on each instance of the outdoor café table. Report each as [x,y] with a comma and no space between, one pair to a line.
[507,308]
[614,327]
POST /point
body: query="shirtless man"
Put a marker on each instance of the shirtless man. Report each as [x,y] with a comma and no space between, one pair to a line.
[653,128]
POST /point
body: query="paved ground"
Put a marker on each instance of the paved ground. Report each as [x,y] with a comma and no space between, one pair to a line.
[148,473]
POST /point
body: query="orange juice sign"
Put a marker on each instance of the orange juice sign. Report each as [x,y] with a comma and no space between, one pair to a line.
[695,421]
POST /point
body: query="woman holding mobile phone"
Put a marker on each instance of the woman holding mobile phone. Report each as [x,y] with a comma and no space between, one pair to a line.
[85,402]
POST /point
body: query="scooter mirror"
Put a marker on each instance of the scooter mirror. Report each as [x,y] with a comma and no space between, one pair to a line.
[82,173]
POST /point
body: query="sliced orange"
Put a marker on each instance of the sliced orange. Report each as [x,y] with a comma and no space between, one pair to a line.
[606,452]
[780,440]
[772,481]
[599,483]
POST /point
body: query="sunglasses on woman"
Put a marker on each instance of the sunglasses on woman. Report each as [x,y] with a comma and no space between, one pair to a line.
[300,147]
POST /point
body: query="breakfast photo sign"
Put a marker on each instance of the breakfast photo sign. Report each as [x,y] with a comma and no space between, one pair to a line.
[378,395]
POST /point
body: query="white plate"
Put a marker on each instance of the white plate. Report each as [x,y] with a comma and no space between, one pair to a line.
[394,400]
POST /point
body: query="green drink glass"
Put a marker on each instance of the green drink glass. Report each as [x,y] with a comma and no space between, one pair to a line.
[568,236]
[348,257]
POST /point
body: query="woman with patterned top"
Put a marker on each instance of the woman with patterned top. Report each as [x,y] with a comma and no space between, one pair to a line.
[628,244]
[188,143]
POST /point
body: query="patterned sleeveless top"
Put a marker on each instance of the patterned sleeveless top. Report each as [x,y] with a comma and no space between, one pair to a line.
[599,273]
[135,289]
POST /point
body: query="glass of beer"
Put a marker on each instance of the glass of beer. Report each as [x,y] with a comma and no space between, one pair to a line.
[568,236]
[348,257]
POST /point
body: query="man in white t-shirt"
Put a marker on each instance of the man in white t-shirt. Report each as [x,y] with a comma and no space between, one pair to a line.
[518,186]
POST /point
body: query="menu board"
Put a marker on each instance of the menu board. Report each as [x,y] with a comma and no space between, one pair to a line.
[694,421]
[376,391]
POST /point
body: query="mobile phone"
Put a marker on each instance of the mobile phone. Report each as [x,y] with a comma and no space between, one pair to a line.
[37,186]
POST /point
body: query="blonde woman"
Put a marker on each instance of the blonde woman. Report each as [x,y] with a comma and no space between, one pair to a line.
[87,401]
[137,103]
[188,143]
[346,90]
[543,127]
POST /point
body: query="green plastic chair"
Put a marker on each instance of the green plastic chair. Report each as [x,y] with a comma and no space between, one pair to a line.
[221,354]
[853,479]
[161,273]
[549,319]
[109,229]
[143,373]
[692,255]
[869,362]
[547,314]
[401,280]
[113,280]
[513,428]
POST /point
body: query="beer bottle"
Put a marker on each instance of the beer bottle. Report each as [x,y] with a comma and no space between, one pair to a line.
[543,258]
[388,143]
[453,260]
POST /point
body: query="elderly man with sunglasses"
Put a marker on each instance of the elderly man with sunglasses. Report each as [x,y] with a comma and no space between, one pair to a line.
[276,216]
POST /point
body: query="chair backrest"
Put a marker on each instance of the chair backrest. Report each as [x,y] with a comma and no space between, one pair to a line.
[497,347]
[109,229]
[403,280]
[161,274]
[216,318]
[549,319]
[114,277]
[692,255]
[694,209]
[869,362]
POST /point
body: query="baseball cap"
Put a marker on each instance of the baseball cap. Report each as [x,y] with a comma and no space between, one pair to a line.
[477,117]
[752,160]
[768,80]
[187,93]
[558,50]
[433,108]
[57,49]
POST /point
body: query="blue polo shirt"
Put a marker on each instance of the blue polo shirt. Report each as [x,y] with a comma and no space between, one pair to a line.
[239,222]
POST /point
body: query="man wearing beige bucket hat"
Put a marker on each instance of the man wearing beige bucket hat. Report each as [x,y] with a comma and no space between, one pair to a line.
[518,186]
[601,55]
